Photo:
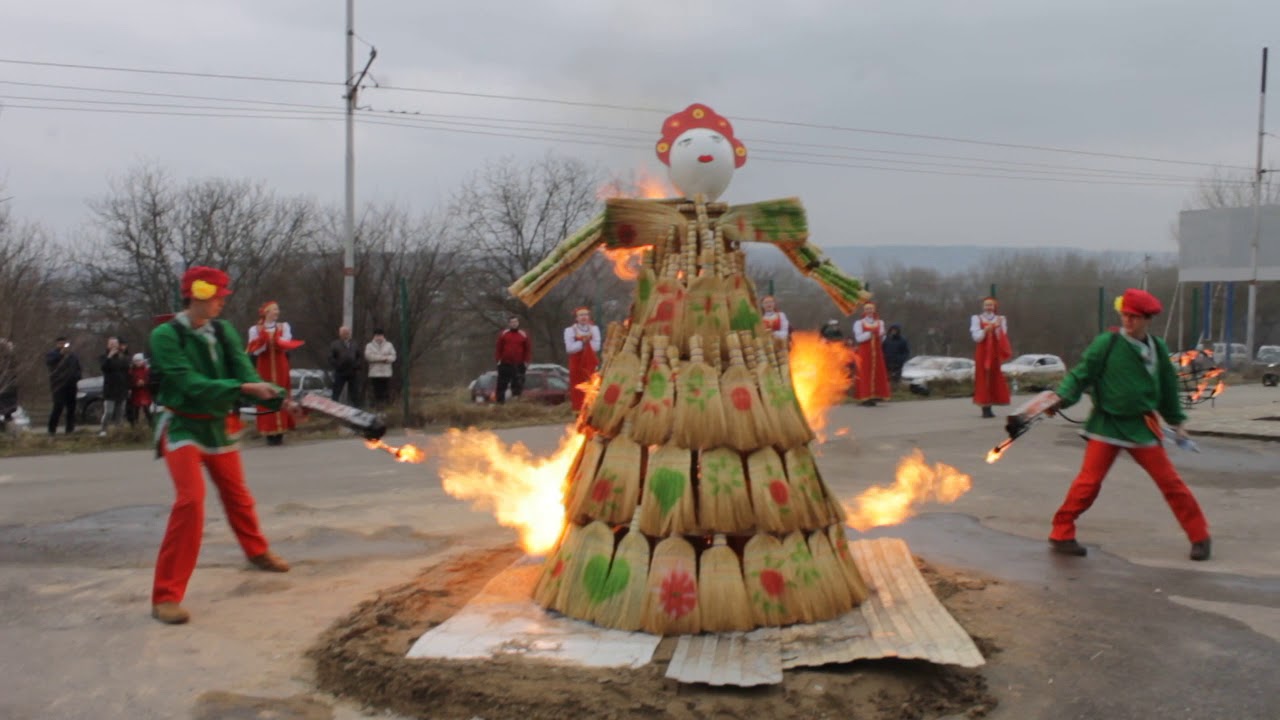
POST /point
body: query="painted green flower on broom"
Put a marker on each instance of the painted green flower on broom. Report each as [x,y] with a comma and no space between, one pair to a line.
[698,391]
[722,474]
[806,572]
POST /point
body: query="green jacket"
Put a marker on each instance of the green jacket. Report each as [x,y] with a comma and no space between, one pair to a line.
[1123,391]
[200,385]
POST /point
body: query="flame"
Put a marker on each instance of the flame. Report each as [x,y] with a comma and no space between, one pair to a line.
[640,185]
[626,261]
[1206,378]
[821,377]
[997,452]
[404,453]
[915,482]
[523,491]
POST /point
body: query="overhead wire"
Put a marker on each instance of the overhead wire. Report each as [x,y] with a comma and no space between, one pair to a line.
[627,108]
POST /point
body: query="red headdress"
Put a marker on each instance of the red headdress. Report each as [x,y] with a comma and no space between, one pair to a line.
[203,283]
[993,299]
[698,115]
[262,311]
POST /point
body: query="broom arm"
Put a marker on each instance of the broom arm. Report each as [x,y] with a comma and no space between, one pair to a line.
[562,260]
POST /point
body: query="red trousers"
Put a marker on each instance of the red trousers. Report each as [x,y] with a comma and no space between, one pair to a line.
[1098,457]
[181,545]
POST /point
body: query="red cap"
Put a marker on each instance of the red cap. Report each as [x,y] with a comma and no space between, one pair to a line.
[203,283]
[698,115]
[1139,302]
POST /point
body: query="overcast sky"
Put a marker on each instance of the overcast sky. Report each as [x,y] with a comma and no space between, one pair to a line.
[1155,78]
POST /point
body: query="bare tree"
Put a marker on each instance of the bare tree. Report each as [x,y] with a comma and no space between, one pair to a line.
[509,217]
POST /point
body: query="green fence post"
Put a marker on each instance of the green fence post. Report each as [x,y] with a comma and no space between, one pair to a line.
[1102,302]
[404,350]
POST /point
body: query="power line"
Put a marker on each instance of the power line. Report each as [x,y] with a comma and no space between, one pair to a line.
[626,108]
[146,93]
[552,135]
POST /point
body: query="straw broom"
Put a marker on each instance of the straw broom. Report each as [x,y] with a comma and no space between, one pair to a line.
[666,507]
[617,387]
[780,222]
[853,578]
[802,471]
[772,496]
[722,595]
[633,222]
[587,586]
[547,590]
[724,501]
[616,491]
[769,587]
[742,309]
[647,281]
[666,309]
[699,415]
[836,594]
[740,401]
[810,601]
[652,423]
[766,419]
[628,584]
[671,607]
[583,477]
[781,398]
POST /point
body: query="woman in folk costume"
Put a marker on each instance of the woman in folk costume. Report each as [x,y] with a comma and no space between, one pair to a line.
[991,333]
[582,342]
[269,341]
[872,381]
[774,319]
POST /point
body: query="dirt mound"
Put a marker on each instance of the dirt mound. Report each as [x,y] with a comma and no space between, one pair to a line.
[362,657]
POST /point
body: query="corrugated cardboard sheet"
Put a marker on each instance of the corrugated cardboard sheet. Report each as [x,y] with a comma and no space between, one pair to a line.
[901,619]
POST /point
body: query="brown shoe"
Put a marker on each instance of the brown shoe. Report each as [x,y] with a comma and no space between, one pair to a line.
[170,613]
[270,562]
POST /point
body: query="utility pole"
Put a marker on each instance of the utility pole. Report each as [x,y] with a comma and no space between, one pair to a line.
[1257,212]
[1146,269]
[349,224]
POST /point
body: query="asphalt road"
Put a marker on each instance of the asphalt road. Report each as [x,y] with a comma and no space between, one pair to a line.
[1135,630]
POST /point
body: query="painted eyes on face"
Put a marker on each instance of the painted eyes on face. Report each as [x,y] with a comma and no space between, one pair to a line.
[717,139]
[685,142]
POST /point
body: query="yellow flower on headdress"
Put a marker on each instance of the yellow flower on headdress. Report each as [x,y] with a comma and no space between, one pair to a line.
[1119,302]
[203,289]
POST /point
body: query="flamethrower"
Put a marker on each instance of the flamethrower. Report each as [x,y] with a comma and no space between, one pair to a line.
[366,424]
[1028,414]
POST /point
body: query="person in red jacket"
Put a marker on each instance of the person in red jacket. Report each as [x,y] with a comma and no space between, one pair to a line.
[513,354]
[139,390]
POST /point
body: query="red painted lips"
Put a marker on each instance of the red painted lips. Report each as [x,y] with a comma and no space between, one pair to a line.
[706,158]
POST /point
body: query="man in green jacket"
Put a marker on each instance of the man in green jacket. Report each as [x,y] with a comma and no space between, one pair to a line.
[1133,385]
[206,376]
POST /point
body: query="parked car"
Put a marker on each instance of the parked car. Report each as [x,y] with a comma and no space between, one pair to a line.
[541,384]
[303,381]
[1268,358]
[1239,354]
[1033,365]
[89,399]
[923,369]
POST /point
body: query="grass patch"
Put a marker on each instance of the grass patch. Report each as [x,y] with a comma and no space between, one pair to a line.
[455,409]
[38,442]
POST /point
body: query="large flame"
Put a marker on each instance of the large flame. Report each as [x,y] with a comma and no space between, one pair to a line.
[626,261]
[523,491]
[821,377]
[1206,378]
[640,185]
[915,483]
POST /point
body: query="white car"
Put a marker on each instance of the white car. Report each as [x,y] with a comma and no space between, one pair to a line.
[1033,364]
[923,369]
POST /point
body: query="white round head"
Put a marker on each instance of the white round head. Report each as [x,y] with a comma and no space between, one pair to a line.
[701,162]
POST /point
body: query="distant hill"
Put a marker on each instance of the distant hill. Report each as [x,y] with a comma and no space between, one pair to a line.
[854,259]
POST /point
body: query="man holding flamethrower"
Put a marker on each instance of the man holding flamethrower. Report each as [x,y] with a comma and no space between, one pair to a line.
[1133,385]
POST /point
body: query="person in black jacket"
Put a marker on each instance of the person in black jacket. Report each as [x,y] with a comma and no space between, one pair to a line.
[346,357]
[114,364]
[896,352]
[64,373]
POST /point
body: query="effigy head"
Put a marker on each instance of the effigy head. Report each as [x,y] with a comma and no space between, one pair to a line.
[700,151]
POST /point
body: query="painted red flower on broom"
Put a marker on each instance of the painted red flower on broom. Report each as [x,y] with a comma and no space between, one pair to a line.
[678,594]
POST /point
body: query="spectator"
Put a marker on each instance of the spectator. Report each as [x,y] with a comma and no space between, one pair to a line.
[582,343]
[514,353]
[871,385]
[64,373]
[270,342]
[775,321]
[139,390]
[896,352]
[115,384]
[380,354]
[8,382]
[831,332]
[346,358]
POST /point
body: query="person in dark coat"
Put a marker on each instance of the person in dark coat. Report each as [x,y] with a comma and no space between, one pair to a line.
[64,373]
[114,364]
[896,352]
[346,357]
